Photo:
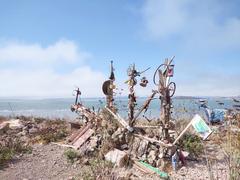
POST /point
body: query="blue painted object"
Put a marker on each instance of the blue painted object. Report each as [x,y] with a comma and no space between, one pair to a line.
[215,115]
[174,162]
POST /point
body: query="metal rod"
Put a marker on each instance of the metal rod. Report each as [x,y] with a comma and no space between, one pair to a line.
[145,105]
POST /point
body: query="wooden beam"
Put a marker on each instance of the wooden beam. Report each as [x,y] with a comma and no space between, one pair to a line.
[83,138]
[182,133]
[154,140]
[120,120]
[145,105]
[63,145]
[81,132]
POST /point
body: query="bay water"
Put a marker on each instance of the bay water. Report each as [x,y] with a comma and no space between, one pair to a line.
[60,107]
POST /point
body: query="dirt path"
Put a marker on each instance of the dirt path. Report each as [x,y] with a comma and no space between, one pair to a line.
[45,162]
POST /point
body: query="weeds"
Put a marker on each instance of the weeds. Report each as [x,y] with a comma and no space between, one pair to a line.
[229,140]
[50,131]
[71,155]
[11,147]
[50,135]
[232,148]
[192,144]
[97,169]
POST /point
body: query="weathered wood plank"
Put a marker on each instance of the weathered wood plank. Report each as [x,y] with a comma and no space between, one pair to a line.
[80,133]
[83,138]
[120,120]
[154,140]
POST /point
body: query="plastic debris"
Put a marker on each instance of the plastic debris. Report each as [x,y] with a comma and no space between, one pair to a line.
[156,170]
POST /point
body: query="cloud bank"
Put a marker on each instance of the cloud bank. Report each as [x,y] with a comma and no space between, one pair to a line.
[41,78]
[62,50]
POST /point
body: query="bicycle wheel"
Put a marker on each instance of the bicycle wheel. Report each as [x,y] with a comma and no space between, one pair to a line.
[162,67]
[172,88]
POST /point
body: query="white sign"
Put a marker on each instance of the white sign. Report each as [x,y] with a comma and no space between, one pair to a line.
[201,127]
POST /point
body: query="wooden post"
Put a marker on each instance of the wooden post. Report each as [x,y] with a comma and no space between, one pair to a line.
[145,106]
[109,96]
[164,90]
[132,98]
[131,105]
[133,73]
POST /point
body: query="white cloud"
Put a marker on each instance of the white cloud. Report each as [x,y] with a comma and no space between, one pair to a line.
[201,34]
[62,50]
[46,81]
[209,84]
[199,24]
[163,17]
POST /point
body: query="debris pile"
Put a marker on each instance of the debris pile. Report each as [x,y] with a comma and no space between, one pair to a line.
[30,130]
[149,147]
[117,138]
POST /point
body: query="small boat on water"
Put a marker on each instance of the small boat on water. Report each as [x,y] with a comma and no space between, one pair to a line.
[202,100]
[220,103]
[235,100]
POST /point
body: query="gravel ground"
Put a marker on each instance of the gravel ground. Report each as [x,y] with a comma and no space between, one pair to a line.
[199,171]
[48,162]
[45,162]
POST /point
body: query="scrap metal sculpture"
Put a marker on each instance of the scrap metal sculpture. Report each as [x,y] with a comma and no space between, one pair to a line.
[167,90]
[87,115]
[128,137]
[132,82]
[108,89]
[132,73]
[78,93]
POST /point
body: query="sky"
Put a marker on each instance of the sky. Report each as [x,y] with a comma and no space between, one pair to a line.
[48,48]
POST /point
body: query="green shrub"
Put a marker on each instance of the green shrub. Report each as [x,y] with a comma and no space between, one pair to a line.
[192,144]
[97,169]
[71,155]
[52,135]
[5,154]
[10,147]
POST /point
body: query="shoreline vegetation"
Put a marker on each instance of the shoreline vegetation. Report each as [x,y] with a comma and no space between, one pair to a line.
[32,142]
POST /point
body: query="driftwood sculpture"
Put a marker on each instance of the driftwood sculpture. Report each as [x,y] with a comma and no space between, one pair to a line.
[167,90]
[108,89]
[132,82]
[87,114]
[155,147]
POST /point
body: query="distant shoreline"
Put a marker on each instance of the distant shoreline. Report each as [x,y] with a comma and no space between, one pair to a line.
[117,97]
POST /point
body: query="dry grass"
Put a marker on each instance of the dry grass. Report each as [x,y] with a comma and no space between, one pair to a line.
[232,148]
[229,139]
[10,147]
[2,119]
[96,169]
[50,131]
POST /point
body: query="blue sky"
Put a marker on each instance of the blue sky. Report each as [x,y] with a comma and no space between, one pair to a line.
[49,47]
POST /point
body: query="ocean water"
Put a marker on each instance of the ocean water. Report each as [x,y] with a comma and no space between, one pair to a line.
[60,107]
